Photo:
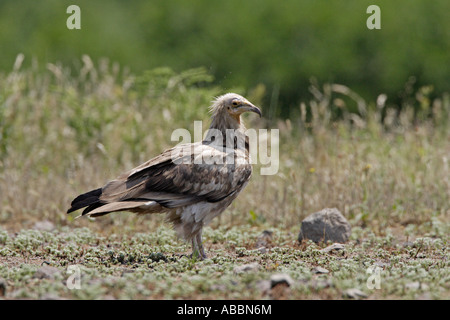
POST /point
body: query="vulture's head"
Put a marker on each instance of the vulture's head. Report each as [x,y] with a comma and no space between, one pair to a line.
[227,109]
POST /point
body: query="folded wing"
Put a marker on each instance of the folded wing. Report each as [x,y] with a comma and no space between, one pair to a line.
[183,175]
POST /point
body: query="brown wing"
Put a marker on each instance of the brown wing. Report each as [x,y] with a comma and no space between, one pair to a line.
[180,176]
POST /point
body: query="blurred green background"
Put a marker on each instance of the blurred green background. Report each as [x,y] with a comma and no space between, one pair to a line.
[279,44]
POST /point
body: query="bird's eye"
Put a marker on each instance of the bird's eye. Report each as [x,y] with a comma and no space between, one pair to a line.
[235,103]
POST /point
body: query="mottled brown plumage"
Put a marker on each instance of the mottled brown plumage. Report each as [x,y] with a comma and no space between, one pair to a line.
[191,183]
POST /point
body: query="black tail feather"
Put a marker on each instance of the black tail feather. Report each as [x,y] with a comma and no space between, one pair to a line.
[86,199]
[91,207]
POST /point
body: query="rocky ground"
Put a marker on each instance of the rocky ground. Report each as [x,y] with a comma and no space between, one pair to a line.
[245,262]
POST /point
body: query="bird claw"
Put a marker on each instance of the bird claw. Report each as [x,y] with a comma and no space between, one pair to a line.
[197,255]
[192,256]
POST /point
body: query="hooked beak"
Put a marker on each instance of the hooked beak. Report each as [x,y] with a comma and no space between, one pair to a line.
[248,107]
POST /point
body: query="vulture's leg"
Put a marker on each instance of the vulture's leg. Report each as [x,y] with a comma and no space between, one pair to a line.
[200,245]
[195,252]
[197,247]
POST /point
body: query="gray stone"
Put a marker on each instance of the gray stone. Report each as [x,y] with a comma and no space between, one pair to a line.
[318,284]
[320,270]
[325,225]
[261,250]
[333,247]
[354,293]
[280,278]
[46,272]
[264,239]
[416,285]
[246,268]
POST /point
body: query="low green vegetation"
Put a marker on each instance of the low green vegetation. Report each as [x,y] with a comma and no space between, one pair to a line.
[151,266]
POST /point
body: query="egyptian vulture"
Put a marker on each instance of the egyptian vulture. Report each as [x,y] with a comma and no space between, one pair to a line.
[192,183]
